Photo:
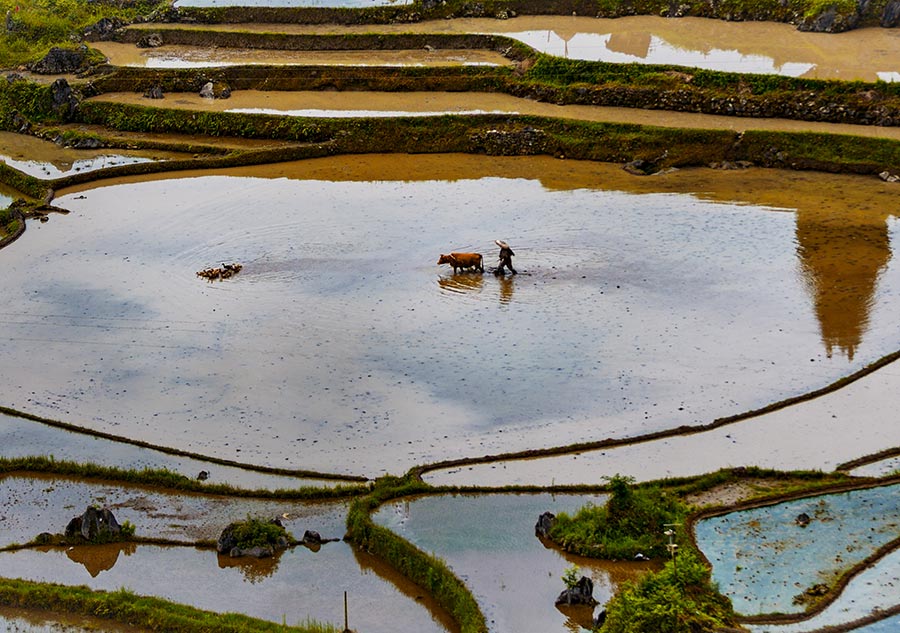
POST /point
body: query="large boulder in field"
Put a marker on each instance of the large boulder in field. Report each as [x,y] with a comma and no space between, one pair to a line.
[64,100]
[96,525]
[581,593]
[61,61]
[103,29]
[890,16]
[544,524]
[230,541]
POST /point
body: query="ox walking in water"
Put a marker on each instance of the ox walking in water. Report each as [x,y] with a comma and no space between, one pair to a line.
[462,261]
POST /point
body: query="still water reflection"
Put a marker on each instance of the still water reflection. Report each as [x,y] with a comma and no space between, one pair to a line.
[301,585]
[641,304]
[489,542]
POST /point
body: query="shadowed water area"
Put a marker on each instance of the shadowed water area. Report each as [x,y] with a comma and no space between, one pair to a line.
[489,542]
[743,47]
[641,304]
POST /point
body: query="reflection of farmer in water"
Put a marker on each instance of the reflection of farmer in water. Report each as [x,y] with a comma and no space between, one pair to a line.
[506,255]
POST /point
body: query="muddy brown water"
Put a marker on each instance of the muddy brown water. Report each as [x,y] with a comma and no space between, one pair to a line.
[174,56]
[489,541]
[642,304]
[755,47]
[44,159]
[14,620]
[343,104]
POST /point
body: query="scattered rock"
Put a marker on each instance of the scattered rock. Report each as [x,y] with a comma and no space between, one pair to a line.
[641,167]
[727,164]
[95,526]
[600,619]
[151,40]
[154,92]
[60,61]
[890,16]
[103,29]
[802,519]
[581,593]
[215,90]
[544,524]
[228,542]
[889,177]
[64,101]
[203,475]
[641,556]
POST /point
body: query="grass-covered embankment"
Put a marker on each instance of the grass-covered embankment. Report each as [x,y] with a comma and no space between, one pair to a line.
[152,614]
[12,224]
[167,479]
[427,571]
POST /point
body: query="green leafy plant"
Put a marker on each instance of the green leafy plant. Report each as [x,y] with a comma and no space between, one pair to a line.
[571,576]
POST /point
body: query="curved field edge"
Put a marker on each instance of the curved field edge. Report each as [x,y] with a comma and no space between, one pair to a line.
[800,12]
[350,479]
[151,614]
[427,571]
[166,479]
[835,589]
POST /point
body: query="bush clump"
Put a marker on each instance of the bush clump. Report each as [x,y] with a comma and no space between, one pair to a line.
[632,522]
[680,598]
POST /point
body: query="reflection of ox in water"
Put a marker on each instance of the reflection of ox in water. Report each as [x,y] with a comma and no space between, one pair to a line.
[462,261]
[462,283]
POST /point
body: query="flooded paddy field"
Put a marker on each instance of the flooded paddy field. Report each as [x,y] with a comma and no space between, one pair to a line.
[36,503]
[369,104]
[301,583]
[641,305]
[743,47]
[820,434]
[174,56]
[21,437]
[13,620]
[765,558]
[47,160]
[871,591]
[297,585]
[489,542]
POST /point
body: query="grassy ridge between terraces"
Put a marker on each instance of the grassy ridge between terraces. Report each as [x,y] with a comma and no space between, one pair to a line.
[427,571]
[152,614]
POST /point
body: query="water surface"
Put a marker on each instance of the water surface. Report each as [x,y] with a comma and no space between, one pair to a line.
[343,347]
[489,542]
[763,559]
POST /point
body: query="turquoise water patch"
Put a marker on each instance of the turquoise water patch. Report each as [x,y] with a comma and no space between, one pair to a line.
[875,589]
[764,558]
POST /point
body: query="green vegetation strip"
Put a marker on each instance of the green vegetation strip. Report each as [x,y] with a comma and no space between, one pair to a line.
[167,479]
[181,453]
[152,614]
[12,224]
[425,570]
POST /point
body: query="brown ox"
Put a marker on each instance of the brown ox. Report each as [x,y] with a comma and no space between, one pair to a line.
[462,261]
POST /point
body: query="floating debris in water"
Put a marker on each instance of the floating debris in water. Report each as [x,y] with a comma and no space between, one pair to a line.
[223,272]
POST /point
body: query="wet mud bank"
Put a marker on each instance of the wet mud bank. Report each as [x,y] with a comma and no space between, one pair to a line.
[554,80]
[323,42]
[824,18]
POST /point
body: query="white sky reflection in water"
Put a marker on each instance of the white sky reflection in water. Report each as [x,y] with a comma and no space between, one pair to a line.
[598,47]
[342,347]
[355,113]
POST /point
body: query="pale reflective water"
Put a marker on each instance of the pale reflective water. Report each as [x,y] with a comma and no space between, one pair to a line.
[869,54]
[489,541]
[293,587]
[44,159]
[339,347]
[872,590]
[23,438]
[763,559]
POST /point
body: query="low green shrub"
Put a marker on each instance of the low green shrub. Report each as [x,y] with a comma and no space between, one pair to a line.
[680,598]
[632,521]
